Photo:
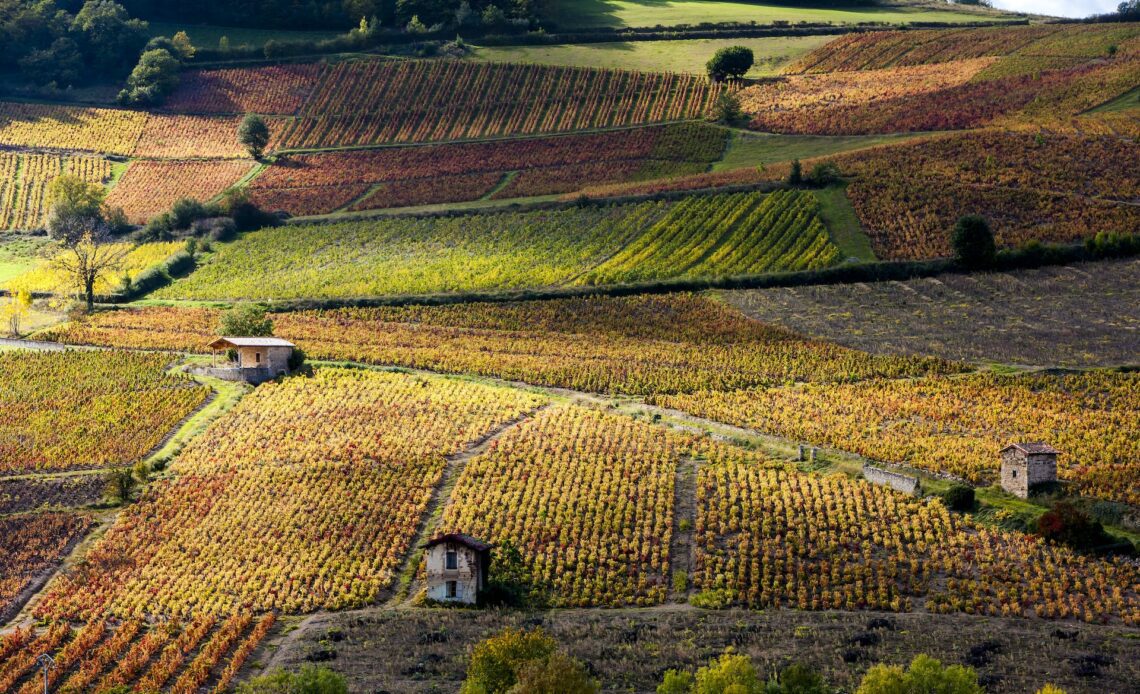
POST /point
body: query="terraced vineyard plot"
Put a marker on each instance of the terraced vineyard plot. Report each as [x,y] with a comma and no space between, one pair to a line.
[30,544]
[725,235]
[149,188]
[80,409]
[24,180]
[956,425]
[704,236]
[1030,186]
[31,494]
[586,497]
[638,345]
[209,137]
[815,104]
[319,517]
[416,256]
[102,130]
[878,50]
[101,656]
[371,102]
[46,278]
[770,537]
[274,89]
[1082,315]
[308,184]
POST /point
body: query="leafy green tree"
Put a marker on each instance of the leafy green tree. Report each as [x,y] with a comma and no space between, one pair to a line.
[155,76]
[510,581]
[676,682]
[959,497]
[730,62]
[253,134]
[924,676]
[120,485]
[60,64]
[556,674]
[111,38]
[75,208]
[797,679]
[246,320]
[311,679]
[796,175]
[495,662]
[729,674]
[973,242]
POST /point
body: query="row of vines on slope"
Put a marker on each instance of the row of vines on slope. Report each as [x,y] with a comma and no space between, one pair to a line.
[24,179]
[307,184]
[318,517]
[80,409]
[106,655]
[956,425]
[368,102]
[637,345]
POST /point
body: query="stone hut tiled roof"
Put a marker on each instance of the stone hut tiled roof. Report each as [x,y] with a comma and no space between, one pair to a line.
[1032,448]
[467,540]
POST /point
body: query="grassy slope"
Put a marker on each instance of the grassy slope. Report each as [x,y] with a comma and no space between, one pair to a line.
[1125,102]
[843,224]
[688,55]
[643,13]
[19,254]
[753,149]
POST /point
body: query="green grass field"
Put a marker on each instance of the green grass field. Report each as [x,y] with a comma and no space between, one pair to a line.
[688,55]
[566,14]
[843,224]
[700,236]
[1129,101]
[19,254]
[753,149]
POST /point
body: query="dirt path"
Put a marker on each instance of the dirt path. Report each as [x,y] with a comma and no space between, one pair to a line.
[406,582]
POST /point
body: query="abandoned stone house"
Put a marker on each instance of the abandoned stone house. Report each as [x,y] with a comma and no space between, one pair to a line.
[259,359]
[1024,465]
[457,567]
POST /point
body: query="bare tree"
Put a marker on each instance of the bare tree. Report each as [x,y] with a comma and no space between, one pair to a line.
[87,259]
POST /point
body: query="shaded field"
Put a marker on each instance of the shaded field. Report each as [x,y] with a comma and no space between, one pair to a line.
[420,650]
[688,55]
[644,13]
[757,149]
[1081,315]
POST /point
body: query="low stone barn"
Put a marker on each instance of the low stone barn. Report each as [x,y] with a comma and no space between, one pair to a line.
[1024,465]
[457,567]
[259,359]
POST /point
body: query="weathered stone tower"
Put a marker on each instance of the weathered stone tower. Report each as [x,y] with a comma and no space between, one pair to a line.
[1026,464]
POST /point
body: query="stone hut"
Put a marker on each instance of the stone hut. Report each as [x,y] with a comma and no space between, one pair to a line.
[1026,464]
[260,359]
[457,567]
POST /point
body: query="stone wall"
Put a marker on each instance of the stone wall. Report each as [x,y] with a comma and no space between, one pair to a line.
[906,484]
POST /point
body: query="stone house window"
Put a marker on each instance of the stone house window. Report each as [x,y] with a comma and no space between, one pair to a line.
[257,357]
[452,589]
[452,560]
[1015,474]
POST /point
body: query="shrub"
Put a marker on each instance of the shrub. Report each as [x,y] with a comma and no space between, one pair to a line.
[727,109]
[824,174]
[495,662]
[960,497]
[311,679]
[714,599]
[1068,525]
[155,76]
[680,581]
[925,674]
[973,242]
[556,674]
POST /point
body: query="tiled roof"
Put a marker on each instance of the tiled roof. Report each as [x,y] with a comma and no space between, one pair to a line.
[477,545]
[1031,448]
[250,342]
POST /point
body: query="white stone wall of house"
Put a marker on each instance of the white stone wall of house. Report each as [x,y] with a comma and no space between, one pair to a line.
[459,584]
